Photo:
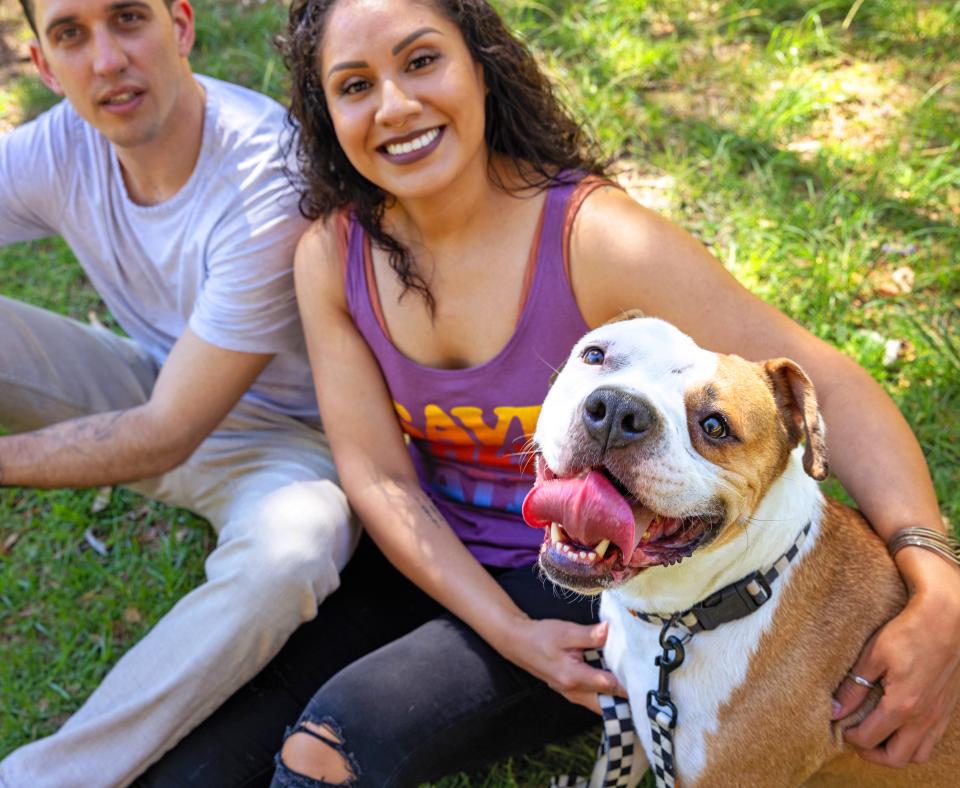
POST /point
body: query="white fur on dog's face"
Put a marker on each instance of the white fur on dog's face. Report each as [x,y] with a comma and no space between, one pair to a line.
[653,359]
[690,443]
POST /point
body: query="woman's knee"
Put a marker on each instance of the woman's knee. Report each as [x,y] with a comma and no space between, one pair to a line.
[315,754]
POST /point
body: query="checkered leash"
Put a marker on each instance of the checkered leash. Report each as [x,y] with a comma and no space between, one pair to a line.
[619,738]
[734,601]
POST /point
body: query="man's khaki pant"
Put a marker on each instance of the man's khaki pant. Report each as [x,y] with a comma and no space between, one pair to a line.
[267,485]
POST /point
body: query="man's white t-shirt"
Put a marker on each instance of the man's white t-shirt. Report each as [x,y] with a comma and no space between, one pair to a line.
[216,257]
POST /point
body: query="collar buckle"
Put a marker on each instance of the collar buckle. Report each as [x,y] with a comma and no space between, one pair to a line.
[734,601]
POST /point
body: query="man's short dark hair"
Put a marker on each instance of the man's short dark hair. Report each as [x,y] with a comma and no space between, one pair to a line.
[28,13]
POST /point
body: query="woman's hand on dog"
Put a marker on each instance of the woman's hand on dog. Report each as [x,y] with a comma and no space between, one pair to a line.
[916,657]
[552,650]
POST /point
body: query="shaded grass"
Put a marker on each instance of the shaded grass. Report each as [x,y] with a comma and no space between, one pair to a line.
[69,612]
[814,159]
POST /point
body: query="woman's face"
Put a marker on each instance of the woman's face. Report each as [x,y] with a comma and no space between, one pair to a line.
[405,95]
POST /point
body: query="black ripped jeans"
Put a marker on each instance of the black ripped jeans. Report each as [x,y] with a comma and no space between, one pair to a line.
[413,692]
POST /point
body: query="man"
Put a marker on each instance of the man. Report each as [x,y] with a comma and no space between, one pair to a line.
[170,189]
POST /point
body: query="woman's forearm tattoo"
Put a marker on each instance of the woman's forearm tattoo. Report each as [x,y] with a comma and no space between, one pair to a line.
[429,509]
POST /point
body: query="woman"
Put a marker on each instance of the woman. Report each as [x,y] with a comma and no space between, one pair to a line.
[458,253]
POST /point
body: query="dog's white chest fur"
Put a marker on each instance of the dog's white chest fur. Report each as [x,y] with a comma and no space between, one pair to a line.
[716,662]
[715,665]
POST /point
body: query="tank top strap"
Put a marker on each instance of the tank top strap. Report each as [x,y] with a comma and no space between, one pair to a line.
[584,189]
[356,289]
[550,249]
[551,294]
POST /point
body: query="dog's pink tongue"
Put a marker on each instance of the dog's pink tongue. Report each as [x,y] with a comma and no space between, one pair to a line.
[590,510]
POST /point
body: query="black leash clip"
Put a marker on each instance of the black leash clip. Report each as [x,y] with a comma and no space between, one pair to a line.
[658,700]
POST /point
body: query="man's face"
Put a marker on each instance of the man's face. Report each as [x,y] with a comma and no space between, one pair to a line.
[120,63]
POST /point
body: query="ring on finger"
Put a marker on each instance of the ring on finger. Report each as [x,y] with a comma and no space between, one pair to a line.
[856,678]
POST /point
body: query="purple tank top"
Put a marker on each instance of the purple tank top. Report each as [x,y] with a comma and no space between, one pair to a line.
[468,427]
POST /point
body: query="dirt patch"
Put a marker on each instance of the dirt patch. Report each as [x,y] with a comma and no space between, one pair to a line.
[864,112]
[652,189]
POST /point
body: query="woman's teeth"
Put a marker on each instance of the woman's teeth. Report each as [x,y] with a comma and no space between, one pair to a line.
[122,98]
[415,144]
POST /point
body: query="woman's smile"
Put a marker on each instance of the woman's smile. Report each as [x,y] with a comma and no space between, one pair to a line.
[413,147]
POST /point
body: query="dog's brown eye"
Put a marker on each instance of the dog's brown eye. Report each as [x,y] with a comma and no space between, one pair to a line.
[715,426]
[592,355]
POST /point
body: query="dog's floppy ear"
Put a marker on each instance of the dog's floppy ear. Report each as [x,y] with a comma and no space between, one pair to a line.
[797,403]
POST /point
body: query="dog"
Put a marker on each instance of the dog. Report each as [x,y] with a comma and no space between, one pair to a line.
[668,475]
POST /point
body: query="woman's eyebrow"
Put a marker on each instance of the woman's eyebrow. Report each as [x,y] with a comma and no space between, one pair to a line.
[413,37]
[348,64]
[407,40]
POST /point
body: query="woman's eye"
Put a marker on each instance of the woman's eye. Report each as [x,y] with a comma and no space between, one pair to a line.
[714,426]
[354,86]
[592,355]
[421,61]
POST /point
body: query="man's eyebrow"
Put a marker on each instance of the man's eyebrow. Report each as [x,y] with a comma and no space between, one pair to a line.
[67,19]
[413,37]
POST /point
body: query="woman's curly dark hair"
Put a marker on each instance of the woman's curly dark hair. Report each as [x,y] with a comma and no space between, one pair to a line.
[525,122]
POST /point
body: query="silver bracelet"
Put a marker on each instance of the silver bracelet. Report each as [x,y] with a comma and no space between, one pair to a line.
[945,546]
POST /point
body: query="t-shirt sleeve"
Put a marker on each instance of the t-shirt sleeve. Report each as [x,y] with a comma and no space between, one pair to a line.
[32,172]
[248,301]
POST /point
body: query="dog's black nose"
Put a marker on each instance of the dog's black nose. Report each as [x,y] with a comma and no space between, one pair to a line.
[615,418]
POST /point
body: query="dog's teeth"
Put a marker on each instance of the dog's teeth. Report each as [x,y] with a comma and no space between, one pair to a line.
[646,536]
[583,554]
[601,549]
[591,556]
[555,533]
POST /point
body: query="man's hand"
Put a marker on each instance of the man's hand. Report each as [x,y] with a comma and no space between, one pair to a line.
[196,388]
[916,657]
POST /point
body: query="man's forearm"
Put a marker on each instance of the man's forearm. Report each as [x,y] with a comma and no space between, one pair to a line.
[107,448]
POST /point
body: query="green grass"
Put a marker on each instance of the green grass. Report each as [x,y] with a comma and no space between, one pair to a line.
[815,158]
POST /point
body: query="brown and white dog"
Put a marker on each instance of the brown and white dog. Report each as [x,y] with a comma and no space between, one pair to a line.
[667,472]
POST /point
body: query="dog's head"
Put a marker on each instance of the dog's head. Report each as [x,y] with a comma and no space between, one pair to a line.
[651,447]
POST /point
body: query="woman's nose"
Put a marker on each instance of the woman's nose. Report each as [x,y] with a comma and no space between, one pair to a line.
[396,106]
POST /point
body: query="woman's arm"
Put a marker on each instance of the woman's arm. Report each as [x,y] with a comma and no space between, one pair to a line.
[649,263]
[382,486]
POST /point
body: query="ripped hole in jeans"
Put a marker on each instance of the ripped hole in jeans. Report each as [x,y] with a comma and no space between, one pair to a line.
[314,756]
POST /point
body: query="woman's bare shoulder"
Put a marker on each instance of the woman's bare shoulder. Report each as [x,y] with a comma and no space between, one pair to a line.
[626,256]
[319,260]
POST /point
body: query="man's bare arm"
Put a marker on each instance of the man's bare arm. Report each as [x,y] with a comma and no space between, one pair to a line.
[196,388]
